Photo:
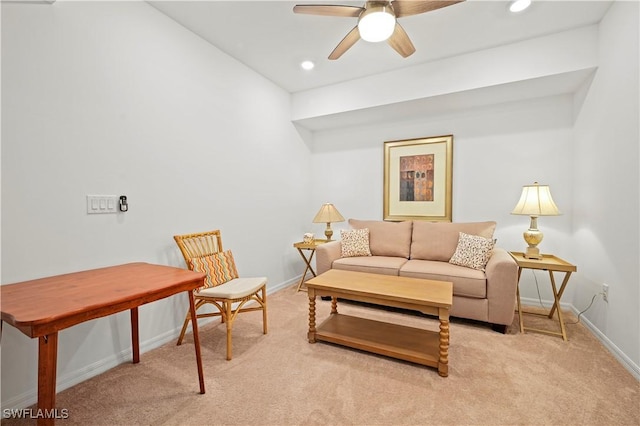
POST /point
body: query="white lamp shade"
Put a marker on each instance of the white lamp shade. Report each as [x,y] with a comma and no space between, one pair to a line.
[536,200]
[376,23]
[328,214]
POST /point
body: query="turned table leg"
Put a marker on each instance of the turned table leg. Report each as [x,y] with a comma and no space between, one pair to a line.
[312,316]
[443,361]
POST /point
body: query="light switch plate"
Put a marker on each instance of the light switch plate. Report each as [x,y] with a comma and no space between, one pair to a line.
[100,204]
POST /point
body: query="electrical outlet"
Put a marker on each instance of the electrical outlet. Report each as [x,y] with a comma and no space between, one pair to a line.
[605,292]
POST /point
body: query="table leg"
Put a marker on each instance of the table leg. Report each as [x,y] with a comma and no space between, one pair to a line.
[196,339]
[312,316]
[47,364]
[301,281]
[308,262]
[567,275]
[135,337]
[443,361]
[307,268]
[519,303]
[557,304]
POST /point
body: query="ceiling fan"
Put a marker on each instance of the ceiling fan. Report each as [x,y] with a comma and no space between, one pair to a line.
[376,21]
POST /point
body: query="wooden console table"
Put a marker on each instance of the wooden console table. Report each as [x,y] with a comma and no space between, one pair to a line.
[40,308]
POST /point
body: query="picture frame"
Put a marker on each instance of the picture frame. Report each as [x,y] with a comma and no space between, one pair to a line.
[418,179]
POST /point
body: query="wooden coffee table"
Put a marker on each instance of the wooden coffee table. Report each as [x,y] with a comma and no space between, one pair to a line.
[407,343]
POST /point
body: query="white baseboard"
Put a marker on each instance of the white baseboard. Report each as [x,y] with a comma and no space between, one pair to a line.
[73,378]
[80,375]
[623,359]
[626,362]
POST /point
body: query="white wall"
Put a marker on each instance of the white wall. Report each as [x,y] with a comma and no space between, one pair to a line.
[115,98]
[606,214]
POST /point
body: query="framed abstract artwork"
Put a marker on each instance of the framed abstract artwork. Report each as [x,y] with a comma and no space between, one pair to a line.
[418,179]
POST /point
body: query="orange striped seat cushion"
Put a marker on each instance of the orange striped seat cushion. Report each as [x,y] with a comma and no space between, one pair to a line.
[219,267]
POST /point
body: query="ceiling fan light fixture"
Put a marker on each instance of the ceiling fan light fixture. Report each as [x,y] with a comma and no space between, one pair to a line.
[377,23]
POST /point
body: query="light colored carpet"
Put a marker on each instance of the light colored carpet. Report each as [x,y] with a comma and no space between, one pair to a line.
[281,379]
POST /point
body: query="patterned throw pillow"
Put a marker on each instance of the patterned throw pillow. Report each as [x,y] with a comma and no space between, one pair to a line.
[355,242]
[473,251]
[219,267]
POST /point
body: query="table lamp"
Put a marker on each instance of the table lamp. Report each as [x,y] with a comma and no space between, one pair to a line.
[327,214]
[535,201]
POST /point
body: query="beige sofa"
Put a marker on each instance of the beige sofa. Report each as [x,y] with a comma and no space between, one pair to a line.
[422,250]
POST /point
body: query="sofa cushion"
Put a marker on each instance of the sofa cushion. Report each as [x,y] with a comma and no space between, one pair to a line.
[467,282]
[355,242]
[387,238]
[438,240]
[472,251]
[384,265]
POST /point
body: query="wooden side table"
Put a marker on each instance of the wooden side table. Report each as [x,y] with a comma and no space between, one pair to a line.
[311,249]
[549,263]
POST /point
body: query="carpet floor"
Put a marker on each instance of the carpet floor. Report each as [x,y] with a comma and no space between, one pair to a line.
[281,379]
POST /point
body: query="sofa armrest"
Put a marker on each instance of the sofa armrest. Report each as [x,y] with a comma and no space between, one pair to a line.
[502,283]
[325,255]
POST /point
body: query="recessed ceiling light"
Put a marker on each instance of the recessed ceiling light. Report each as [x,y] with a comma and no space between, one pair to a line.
[307,65]
[519,5]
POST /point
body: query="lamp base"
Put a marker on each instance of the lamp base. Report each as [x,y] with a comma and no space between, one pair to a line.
[532,253]
[328,232]
[533,237]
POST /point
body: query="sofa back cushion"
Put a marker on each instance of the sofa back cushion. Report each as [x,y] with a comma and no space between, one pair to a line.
[438,240]
[387,238]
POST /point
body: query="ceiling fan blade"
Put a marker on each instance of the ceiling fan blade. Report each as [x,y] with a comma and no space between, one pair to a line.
[348,41]
[412,7]
[328,10]
[400,42]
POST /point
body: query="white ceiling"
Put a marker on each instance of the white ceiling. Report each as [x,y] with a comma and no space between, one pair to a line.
[269,38]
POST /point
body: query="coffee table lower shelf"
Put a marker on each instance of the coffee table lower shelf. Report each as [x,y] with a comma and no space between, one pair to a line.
[397,341]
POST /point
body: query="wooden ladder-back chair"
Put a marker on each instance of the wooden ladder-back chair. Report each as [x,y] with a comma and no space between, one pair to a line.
[223,288]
